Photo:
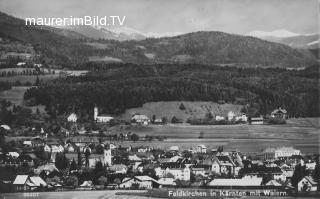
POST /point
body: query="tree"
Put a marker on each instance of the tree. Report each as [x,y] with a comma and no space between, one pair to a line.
[164,120]
[182,107]
[298,174]
[103,180]
[316,172]
[61,161]
[87,154]
[134,137]
[174,120]
[73,165]
[71,181]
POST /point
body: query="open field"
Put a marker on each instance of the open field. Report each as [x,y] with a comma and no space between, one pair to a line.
[192,109]
[15,94]
[303,134]
[107,194]
[28,78]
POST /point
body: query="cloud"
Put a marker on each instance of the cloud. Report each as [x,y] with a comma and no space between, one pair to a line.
[182,15]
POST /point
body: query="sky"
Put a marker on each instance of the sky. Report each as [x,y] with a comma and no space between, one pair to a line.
[160,16]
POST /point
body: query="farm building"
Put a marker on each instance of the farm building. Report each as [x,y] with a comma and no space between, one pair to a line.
[256,120]
[279,113]
[139,182]
[25,183]
[307,184]
[72,118]
[243,182]
[140,119]
[101,118]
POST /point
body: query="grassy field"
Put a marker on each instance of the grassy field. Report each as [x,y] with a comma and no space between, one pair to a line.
[28,78]
[192,109]
[15,94]
[108,194]
[303,134]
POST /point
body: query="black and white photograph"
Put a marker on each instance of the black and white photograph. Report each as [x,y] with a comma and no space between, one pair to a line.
[179,99]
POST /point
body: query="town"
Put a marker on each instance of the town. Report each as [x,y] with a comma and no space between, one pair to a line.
[87,160]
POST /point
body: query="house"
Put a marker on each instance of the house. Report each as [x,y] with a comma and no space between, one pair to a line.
[13,154]
[201,149]
[28,143]
[47,168]
[57,149]
[101,118]
[166,182]
[139,182]
[140,119]
[21,63]
[219,118]
[273,183]
[174,148]
[234,183]
[94,158]
[47,148]
[223,164]
[26,183]
[256,120]
[204,170]
[72,118]
[271,154]
[279,113]
[307,184]
[231,115]
[119,168]
[5,127]
[242,118]
[259,171]
[178,171]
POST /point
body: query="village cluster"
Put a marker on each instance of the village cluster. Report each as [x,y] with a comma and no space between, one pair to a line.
[91,164]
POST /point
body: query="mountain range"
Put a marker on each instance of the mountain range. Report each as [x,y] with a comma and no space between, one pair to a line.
[294,40]
[73,45]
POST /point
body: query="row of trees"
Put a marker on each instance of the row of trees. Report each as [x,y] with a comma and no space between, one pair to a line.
[116,89]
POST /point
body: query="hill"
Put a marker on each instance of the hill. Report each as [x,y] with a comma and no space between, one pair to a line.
[65,46]
[118,87]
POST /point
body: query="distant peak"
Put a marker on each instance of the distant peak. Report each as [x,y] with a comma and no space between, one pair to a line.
[276,33]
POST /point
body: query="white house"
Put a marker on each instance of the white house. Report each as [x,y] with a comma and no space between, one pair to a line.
[24,182]
[307,184]
[242,118]
[201,149]
[243,182]
[178,173]
[139,181]
[219,118]
[257,120]
[101,118]
[140,119]
[72,118]
[231,115]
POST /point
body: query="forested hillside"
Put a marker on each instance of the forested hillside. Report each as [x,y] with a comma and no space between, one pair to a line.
[116,88]
[65,47]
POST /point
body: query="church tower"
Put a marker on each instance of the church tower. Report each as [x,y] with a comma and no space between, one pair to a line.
[95,113]
[107,157]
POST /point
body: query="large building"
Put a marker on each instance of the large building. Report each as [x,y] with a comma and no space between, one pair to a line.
[278,153]
[100,118]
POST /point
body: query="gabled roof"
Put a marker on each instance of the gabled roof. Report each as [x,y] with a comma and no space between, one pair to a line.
[273,183]
[279,110]
[236,182]
[145,178]
[20,180]
[310,180]
[36,180]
